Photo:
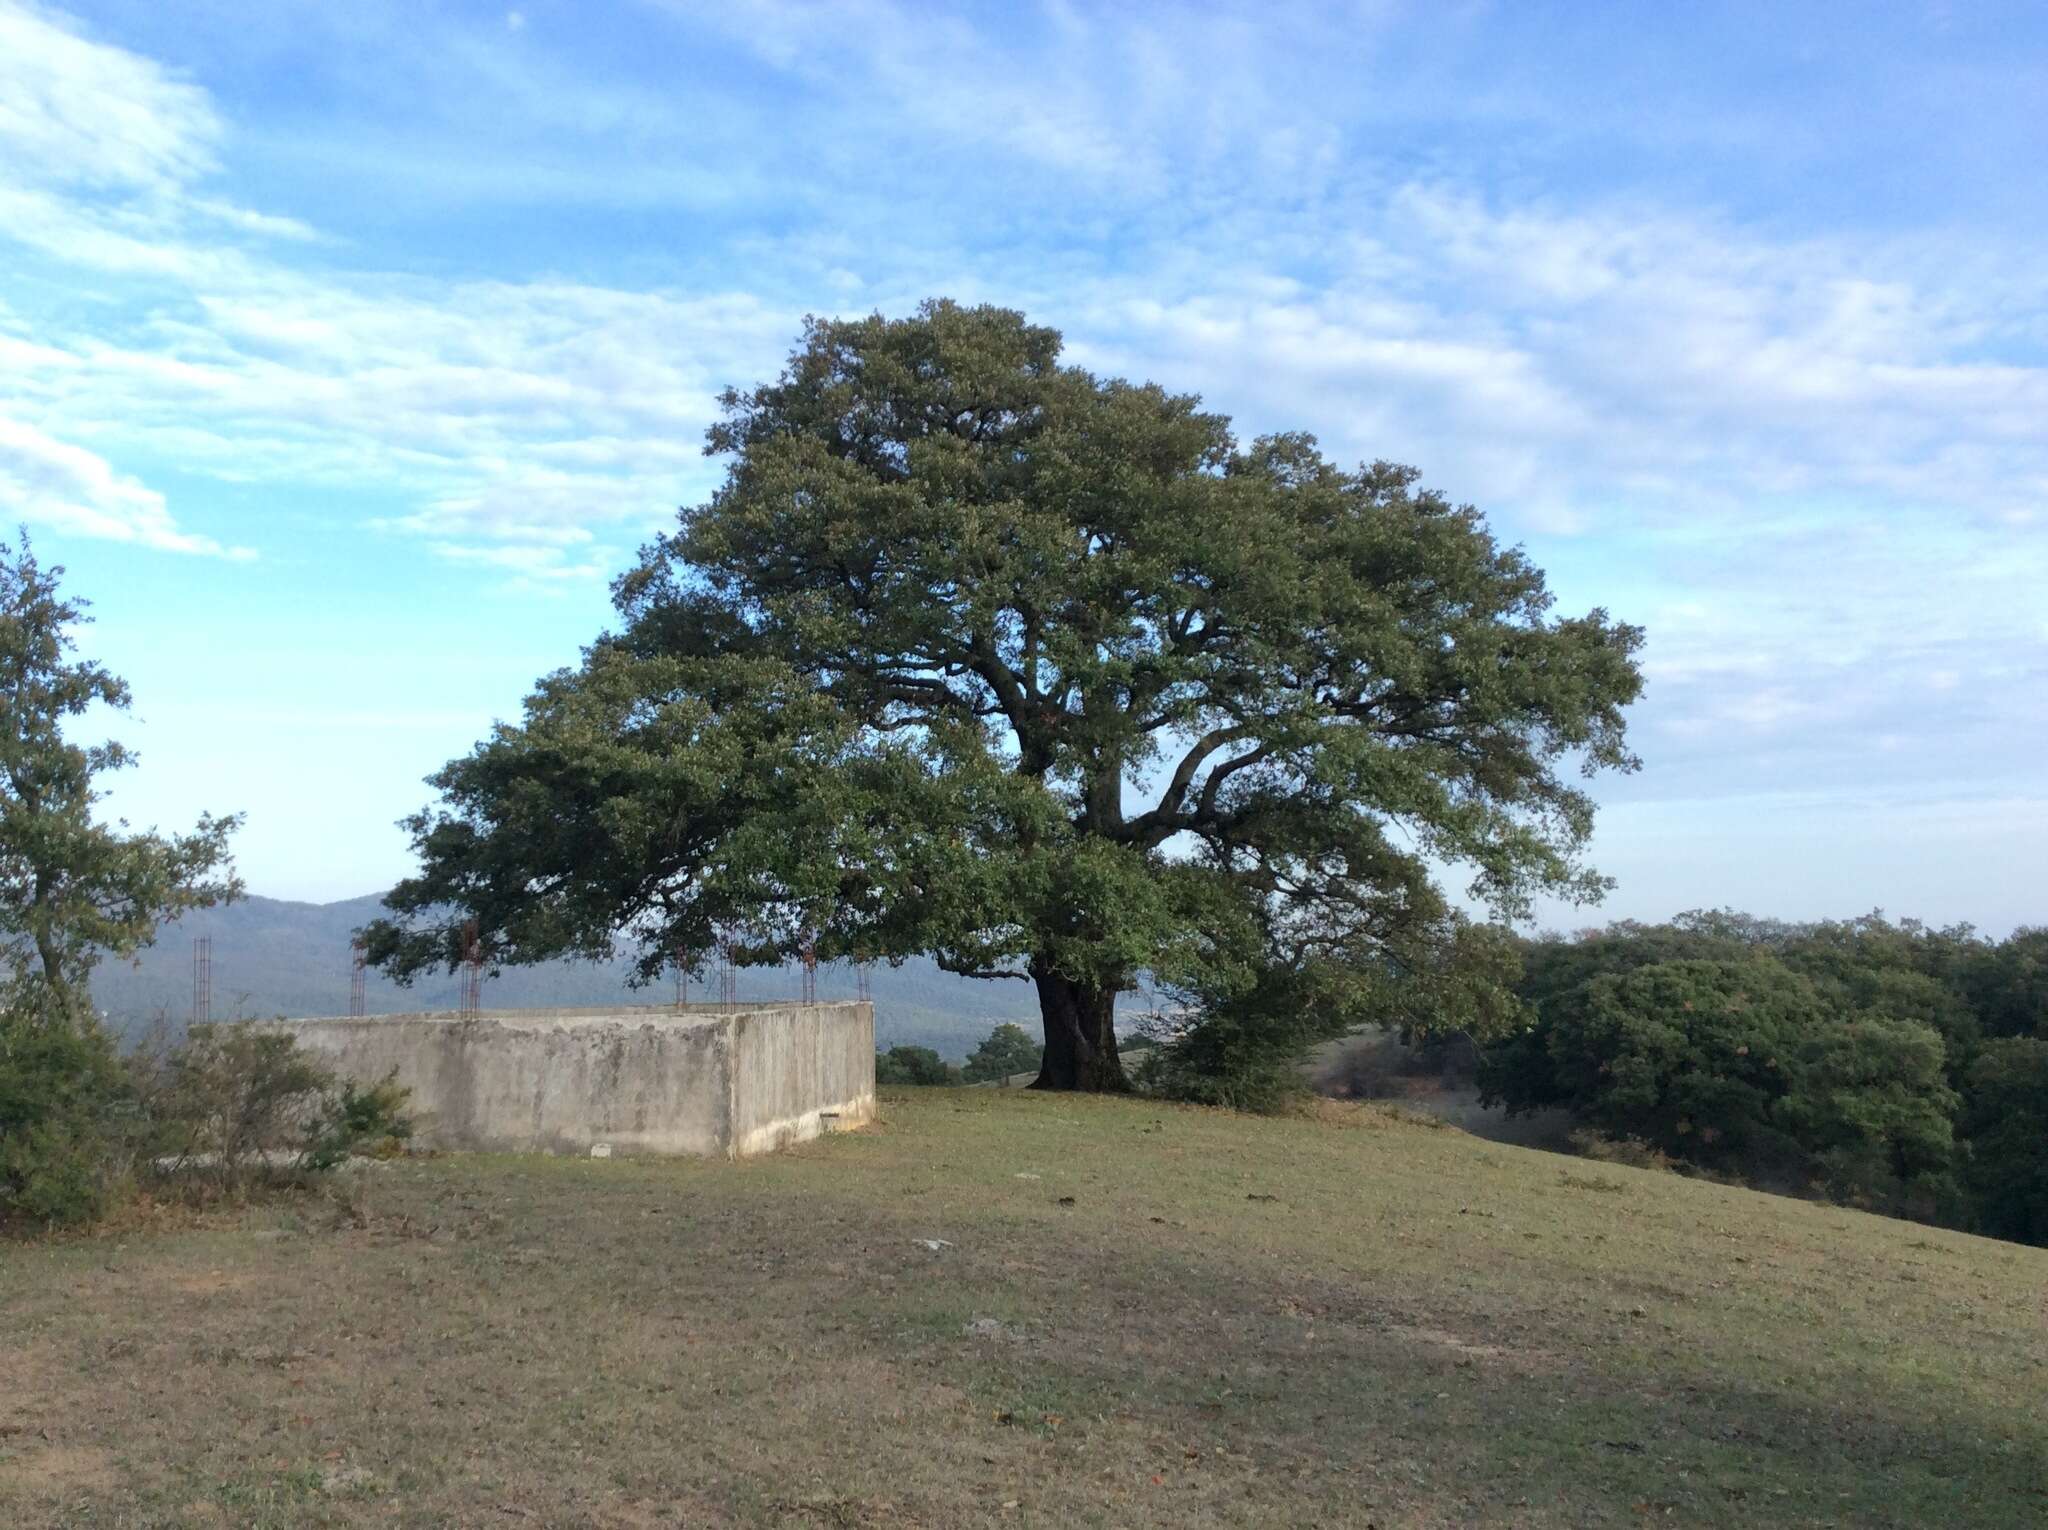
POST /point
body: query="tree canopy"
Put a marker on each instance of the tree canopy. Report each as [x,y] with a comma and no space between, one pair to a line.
[1048,675]
[74,888]
[912,1065]
[1006,1050]
[1891,1065]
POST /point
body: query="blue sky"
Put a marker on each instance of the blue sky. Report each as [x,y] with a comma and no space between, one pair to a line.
[347,351]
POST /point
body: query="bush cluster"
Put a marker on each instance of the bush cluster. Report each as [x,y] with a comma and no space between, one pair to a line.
[913,1065]
[1884,1065]
[1008,1049]
[230,1108]
[61,1126]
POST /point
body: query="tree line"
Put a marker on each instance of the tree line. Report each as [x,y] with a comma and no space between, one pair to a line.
[1888,1065]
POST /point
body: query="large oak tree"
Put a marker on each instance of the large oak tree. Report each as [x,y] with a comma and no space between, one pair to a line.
[1047,675]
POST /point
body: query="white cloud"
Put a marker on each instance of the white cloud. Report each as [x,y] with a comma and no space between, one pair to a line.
[102,152]
[1701,419]
[74,112]
[269,225]
[1615,366]
[48,482]
[532,566]
[1571,370]
[1167,103]
[503,412]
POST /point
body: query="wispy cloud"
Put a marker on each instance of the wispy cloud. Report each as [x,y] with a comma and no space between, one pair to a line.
[530,564]
[47,482]
[77,113]
[1807,453]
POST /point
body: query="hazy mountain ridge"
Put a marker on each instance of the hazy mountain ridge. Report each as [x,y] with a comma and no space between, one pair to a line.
[272,956]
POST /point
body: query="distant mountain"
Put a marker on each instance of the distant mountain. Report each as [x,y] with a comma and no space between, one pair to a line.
[273,957]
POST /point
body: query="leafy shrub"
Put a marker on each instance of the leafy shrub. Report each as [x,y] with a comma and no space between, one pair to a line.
[351,1120]
[1227,1056]
[239,1103]
[912,1065]
[230,1106]
[1380,1065]
[1244,1034]
[1630,1153]
[1009,1049]
[2006,985]
[231,1098]
[61,1095]
[1873,1104]
[1238,1041]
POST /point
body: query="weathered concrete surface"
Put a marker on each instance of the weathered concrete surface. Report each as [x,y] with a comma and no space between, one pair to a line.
[796,1070]
[705,1080]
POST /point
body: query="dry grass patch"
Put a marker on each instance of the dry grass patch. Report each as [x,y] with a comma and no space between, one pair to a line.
[1134,1315]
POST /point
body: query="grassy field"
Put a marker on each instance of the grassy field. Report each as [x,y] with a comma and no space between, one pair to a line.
[1134,1315]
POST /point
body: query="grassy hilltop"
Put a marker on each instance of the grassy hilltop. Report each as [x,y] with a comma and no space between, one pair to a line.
[1137,1315]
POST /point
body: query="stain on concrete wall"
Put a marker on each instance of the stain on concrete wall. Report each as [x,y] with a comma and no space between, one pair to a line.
[799,1070]
[702,1080]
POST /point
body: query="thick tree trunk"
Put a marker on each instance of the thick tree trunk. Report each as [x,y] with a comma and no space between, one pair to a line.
[1080,1036]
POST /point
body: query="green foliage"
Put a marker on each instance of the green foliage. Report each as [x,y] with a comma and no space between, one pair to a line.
[1747,1065]
[2007,985]
[230,1098]
[231,1106]
[1906,971]
[1231,1058]
[1240,1044]
[1007,1050]
[1690,1056]
[912,1065]
[2006,1120]
[240,1104]
[888,690]
[60,1096]
[74,888]
[1873,1105]
[351,1119]
[1887,1065]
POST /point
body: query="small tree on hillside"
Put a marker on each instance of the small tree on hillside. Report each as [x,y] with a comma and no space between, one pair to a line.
[1049,676]
[72,887]
[912,1065]
[1007,1050]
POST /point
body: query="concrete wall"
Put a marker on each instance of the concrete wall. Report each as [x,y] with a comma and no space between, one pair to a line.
[703,1079]
[798,1069]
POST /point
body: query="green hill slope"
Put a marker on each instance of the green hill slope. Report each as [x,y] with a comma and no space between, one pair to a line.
[999,1308]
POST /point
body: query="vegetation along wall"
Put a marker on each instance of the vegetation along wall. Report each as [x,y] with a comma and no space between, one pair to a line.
[706,1080]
